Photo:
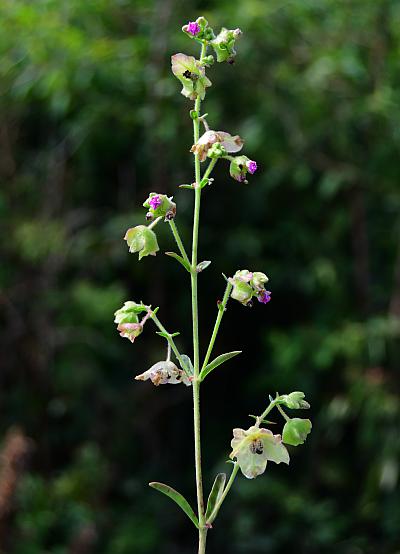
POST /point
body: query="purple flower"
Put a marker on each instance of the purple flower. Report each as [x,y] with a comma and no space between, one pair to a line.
[264,296]
[251,166]
[155,201]
[193,28]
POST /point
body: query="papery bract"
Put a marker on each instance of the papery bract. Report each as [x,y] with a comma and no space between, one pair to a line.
[191,74]
[230,143]
[224,44]
[294,401]
[163,373]
[254,448]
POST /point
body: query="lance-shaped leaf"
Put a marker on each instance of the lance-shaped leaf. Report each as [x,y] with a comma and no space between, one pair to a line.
[216,493]
[216,362]
[191,74]
[179,258]
[178,498]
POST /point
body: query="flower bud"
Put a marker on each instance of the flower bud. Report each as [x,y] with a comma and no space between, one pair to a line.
[160,205]
[228,142]
[164,373]
[296,430]
[143,240]
[224,44]
[239,167]
[216,151]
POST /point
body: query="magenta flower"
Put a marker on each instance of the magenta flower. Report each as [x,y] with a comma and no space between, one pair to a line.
[193,28]
[155,201]
[251,166]
[264,296]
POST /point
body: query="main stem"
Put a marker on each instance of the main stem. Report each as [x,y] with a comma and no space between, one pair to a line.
[195,319]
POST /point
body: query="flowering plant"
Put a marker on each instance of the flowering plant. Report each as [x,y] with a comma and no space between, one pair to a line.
[253,448]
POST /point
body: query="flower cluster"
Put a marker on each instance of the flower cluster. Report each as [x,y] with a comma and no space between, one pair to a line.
[247,284]
[160,205]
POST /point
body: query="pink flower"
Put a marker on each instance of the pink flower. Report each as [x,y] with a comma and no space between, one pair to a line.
[251,166]
[264,296]
[155,201]
[193,28]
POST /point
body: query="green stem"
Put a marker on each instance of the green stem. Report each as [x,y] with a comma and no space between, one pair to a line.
[265,413]
[224,494]
[168,337]
[154,223]
[178,240]
[196,362]
[210,167]
[287,418]
[221,311]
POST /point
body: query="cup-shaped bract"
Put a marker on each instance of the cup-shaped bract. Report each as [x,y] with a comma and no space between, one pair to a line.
[229,143]
[224,44]
[246,284]
[127,320]
[160,205]
[296,430]
[143,240]
[240,166]
[294,401]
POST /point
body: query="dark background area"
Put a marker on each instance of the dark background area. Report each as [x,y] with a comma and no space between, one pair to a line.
[91,121]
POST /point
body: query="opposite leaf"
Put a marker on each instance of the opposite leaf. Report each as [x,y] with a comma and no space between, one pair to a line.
[216,362]
[296,430]
[216,493]
[178,498]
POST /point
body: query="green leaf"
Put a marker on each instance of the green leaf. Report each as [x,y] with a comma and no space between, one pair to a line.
[216,362]
[185,264]
[186,187]
[167,335]
[216,493]
[178,498]
[188,364]
[296,430]
[202,266]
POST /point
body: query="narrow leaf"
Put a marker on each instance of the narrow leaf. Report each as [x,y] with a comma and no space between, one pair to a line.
[202,266]
[185,264]
[216,362]
[178,498]
[216,493]
[188,364]
[186,187]
[167,335]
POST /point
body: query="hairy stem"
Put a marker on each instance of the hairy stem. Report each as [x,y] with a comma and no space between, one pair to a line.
[221,311]
[224,494]
[195,319]
[265,413]
[168,337]
[178,240]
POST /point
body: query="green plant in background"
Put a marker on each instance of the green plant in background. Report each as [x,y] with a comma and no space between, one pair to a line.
[254,447]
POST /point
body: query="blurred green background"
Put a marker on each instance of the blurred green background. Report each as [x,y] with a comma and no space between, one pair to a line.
[91,122]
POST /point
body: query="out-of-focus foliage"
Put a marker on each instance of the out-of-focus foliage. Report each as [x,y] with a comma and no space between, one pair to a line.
[91,121]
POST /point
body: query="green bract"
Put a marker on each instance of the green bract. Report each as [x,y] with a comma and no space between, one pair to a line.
[143,240]
[164,207]
[294,400]
[128,321]
[191,73]
[238,168]
[296,430]
[224,44]
[247,284]
[254,447]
